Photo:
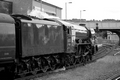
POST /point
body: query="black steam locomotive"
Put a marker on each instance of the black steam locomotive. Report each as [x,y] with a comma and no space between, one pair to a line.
[30,45]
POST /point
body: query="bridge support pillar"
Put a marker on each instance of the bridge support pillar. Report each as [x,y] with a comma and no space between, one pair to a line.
[119,40]
[118,33]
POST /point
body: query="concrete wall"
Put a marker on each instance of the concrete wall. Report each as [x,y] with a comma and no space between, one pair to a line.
[25,6]
[58,11]
[48,8]
[21,6]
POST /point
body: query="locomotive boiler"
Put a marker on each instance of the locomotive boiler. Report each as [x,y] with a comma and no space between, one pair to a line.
[29,45]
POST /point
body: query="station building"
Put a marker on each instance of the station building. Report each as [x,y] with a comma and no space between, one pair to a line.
[26,6]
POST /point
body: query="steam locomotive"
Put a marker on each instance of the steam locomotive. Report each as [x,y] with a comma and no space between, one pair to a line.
[30,45]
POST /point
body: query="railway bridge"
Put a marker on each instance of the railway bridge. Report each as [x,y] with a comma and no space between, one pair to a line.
[112,26]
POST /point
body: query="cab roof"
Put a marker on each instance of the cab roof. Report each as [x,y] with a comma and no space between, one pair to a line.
[41,22]
[73,26]
[5,18]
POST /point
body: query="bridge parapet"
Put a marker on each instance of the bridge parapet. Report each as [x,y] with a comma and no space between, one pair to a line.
[101,24]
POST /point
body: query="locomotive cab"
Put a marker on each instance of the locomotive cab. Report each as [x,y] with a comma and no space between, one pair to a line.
[7,39]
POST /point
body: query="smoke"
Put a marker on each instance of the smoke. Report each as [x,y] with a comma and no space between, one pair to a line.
[40,14]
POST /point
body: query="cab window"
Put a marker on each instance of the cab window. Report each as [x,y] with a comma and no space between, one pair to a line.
[7,34]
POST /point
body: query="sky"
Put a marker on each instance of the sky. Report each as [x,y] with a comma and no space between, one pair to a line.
[94,9]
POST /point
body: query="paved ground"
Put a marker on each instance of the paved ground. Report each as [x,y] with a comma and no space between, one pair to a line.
[102,69]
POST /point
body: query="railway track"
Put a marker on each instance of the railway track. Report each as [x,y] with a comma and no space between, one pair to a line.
[103,51]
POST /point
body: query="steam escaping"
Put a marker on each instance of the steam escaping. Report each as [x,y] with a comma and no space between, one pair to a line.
[92,30]
[40,14]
